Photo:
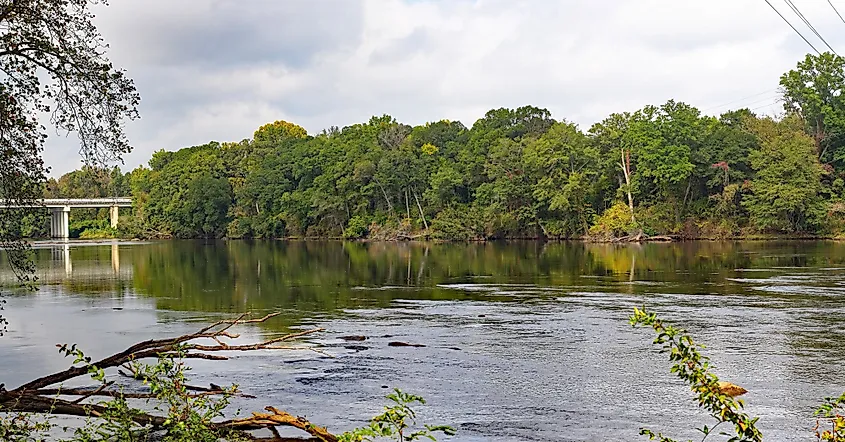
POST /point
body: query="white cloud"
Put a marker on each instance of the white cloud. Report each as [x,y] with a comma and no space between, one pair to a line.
[218,69]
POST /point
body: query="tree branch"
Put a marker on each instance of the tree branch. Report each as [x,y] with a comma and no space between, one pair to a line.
[34,397]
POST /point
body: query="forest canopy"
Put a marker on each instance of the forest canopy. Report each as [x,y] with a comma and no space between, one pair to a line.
[515,173]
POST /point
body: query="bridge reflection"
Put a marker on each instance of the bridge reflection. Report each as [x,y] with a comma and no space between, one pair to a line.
[79,263]
[62,266]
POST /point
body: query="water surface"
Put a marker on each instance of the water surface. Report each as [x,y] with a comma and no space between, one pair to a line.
[523,341]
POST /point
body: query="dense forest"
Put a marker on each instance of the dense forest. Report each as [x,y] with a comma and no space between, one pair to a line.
[516,173]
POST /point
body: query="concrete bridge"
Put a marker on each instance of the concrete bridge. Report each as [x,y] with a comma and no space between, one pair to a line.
[60,211]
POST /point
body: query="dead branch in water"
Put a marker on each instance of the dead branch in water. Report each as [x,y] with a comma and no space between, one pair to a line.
[639,237]
[41,396]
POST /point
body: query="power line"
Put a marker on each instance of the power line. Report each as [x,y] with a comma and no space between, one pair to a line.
[836,11]
[765,105]
[737,100]
[776,97]
[807,22]
[793,27]
[751,103]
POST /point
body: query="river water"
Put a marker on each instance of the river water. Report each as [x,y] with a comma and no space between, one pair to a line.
[522,341]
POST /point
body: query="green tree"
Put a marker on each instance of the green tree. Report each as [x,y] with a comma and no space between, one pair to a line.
[563,166]
[615,158]
[814,91]
[278,131]
[205,209]
[662,141]
[54,62]
[785,189]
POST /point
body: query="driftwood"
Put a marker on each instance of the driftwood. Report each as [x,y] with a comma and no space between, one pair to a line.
[642,237]
[42,396]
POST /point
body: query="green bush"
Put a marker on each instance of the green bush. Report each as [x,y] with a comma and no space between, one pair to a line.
[356,228]
[615,221]
[104,233]
[657,219]
[78,228]
[459,223]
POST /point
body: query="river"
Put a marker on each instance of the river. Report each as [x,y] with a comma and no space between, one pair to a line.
[523,340]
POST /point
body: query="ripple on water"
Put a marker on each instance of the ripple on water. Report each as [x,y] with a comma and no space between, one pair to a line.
[537,348]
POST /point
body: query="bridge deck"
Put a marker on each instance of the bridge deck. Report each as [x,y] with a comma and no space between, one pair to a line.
[80,202]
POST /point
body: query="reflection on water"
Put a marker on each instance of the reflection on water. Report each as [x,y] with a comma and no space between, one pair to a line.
[55,265]
[523,340]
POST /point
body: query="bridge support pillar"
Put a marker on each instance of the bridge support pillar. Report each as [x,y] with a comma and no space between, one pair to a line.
[115,258]
[59,222]
[114,214]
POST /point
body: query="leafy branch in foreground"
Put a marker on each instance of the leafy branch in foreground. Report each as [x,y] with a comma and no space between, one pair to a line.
[831,412]
[394,422]
[695,370]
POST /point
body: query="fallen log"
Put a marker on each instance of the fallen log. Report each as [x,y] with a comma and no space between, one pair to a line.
[45,395]
[640,237]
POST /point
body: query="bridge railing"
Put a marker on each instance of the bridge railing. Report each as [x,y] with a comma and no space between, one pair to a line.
[76,202]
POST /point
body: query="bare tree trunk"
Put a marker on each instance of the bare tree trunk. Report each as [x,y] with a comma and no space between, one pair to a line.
[407,206]
[389,204]
[626,170]
[425,223]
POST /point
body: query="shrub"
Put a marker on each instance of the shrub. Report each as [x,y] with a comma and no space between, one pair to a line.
[460,223]
[77,228]
[356,228]
[615,221]
[657,219]
[104,233]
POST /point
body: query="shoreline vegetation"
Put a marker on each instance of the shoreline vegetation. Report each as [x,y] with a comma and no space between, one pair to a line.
[660,173]
[423,238]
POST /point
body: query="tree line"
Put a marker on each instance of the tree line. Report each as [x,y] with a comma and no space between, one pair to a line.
[515,173]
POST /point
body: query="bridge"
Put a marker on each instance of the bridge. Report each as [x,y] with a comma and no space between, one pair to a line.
[60,211]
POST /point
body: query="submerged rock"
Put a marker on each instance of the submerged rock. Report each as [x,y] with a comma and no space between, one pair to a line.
[403,344]
[354,338]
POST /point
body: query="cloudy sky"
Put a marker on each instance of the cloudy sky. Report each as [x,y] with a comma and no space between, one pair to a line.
[217,69]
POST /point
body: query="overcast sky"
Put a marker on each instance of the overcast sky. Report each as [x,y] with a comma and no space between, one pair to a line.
[218,69]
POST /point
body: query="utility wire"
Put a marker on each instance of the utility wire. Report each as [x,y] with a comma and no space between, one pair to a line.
[807,22]
[751,103]
[770,98]
[765,105]
[737,100]
[793,27]
[836,11]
